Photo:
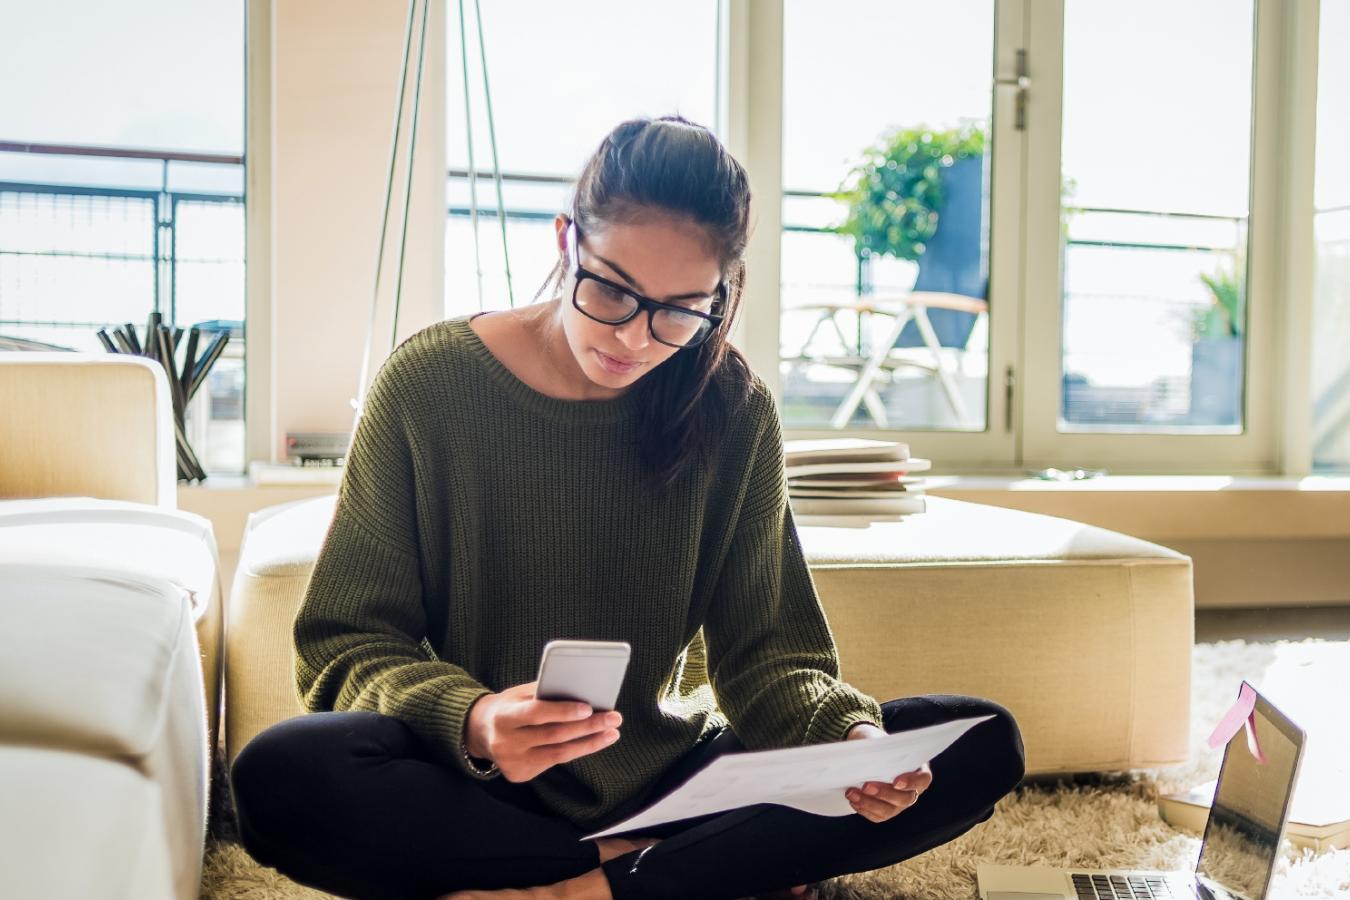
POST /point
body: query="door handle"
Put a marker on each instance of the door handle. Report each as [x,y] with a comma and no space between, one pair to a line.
[1022,82]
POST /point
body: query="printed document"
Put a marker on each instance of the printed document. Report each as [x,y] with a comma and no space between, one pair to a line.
[812,778]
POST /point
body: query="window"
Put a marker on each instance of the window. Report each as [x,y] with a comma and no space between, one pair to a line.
[1131,187]
[1122,187]
[907,332]
[121,185]
[1155,167]
[559,83]
[1152,283]
[1331,223]
[883,321]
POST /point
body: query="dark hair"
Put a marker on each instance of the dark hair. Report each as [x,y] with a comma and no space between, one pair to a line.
[673,166]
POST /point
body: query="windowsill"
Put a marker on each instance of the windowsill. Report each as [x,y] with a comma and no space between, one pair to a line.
[1167,508]
[1161,508]
[319,478]
[262,476]
[1194,484]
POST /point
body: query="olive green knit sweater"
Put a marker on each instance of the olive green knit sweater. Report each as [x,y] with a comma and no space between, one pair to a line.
[478,519]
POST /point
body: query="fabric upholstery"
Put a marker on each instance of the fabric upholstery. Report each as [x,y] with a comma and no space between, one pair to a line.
[111,625]
[177,546]
[86,424]
[82,826]
[1084,634]
[103,661]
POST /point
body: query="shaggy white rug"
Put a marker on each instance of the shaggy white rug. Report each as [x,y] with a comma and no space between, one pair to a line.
[1096,822]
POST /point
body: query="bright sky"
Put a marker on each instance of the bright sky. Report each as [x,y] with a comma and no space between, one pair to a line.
[1155,118]
[150,73]
[1162,129]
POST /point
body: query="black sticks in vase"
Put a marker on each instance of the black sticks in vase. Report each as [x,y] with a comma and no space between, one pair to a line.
[161,345]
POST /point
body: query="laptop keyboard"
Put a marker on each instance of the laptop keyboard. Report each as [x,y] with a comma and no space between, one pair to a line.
[1120,887]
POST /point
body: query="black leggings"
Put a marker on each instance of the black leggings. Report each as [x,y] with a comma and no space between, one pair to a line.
[351,803]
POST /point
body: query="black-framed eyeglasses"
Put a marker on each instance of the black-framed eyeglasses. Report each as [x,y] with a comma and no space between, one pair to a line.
[598,298]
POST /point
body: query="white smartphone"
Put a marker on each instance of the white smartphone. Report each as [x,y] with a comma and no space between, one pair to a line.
[589,671]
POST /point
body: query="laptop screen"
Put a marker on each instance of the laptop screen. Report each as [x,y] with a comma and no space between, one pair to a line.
[1250,804]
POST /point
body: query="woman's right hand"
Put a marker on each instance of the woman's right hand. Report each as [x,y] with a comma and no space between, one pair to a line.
[524,735]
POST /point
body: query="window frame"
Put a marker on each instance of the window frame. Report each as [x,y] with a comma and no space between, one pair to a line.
[1024,334]
[1027,336]
[1254,450]
[754,134]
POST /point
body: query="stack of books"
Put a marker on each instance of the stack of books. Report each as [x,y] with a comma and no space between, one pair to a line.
[1318,819]
[853,477]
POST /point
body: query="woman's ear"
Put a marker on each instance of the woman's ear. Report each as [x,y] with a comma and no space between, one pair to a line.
[560,223]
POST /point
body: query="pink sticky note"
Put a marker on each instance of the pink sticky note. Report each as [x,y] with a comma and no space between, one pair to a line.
[1242,713]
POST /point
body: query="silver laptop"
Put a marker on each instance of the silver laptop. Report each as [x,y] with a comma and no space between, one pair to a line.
[1241,842]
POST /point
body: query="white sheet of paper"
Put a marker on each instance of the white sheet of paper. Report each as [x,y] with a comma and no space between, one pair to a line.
[811,778]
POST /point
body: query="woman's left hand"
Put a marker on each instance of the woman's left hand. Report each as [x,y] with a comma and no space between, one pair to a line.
[878,801]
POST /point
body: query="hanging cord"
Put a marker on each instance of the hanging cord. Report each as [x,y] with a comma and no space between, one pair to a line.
[359,400]
[468,131]
[407,192]
[496,166]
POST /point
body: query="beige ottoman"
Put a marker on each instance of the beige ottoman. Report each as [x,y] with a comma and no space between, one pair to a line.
[1084,634]
[276,555]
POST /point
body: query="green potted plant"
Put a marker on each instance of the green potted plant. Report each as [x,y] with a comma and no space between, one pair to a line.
[1216,349]
[1223,316]
[895,194]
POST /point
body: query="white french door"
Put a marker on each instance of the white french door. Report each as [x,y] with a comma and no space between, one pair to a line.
[804,102]
[1151,285]
[1141,181]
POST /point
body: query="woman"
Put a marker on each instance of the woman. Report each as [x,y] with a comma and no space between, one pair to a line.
[602,466]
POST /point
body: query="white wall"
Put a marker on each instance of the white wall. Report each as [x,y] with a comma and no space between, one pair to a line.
[323,151]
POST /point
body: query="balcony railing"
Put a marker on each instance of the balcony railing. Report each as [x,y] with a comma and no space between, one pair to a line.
[93,248]
[129,233]
[53,234]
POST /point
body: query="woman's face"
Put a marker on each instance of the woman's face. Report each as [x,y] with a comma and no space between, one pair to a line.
[660,257]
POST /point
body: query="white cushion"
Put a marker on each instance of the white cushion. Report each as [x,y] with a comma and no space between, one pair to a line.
[86,654]
[955,532]
[100,662]
[84,826]
[285,539]
[177,546]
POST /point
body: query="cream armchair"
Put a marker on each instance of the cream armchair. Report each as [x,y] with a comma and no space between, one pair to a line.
[110,636]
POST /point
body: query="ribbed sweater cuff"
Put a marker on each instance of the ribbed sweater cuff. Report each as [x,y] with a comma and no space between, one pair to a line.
[840,710]
[455,728]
